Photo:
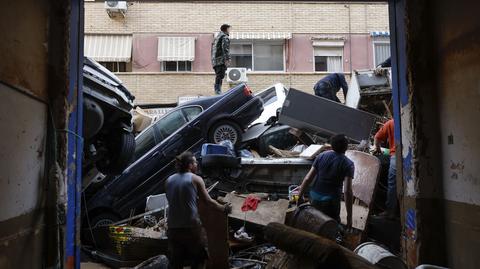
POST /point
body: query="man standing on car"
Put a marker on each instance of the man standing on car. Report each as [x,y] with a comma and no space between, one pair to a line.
[328,86]
[221,56]
[331,170]
[187,238]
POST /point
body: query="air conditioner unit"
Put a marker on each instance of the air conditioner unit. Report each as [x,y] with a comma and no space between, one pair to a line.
[237,75]
[115,8]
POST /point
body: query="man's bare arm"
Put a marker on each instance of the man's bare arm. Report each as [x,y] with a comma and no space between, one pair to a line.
[203,194]
[307,181]
[348,200]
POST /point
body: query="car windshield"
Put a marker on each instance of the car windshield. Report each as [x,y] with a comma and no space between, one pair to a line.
[192,112]
[170,123]
[166,126]
[144,142]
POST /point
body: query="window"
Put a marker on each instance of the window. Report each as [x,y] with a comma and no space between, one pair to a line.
[258,56]
[192,112]
[241,55]
[144,143]
[115,66]
[177,66]
[381,52]
[328,59]
[170,123]
[268,57]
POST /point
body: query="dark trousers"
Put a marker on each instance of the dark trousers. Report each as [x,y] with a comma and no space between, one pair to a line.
[330,208]
[187,246]
[324,90]
[391,202]
[219,76]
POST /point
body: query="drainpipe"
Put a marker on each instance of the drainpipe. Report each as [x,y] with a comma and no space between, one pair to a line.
[350,37]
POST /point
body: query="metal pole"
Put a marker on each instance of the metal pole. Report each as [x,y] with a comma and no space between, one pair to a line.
[75,140]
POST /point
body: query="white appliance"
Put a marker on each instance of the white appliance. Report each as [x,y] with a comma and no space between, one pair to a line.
[115,8]
[237,75]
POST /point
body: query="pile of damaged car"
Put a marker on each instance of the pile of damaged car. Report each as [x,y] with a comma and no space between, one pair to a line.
[254,150]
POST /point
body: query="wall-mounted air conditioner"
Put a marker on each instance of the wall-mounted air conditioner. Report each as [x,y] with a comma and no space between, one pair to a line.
[115,8]
[237,75]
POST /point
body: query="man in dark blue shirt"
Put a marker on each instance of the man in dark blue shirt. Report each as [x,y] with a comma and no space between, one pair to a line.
[331,170]
[328,86]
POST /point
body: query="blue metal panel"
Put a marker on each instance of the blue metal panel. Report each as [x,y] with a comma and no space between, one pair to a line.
[399,70]
[75,140]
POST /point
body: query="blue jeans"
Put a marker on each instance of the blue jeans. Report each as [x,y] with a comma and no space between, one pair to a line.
[391,203]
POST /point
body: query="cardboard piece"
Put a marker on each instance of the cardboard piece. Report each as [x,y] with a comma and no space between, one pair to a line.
[312,151]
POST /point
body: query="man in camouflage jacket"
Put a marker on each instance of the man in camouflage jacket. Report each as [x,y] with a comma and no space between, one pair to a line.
[221,56]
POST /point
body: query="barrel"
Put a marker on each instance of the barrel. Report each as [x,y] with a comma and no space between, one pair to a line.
[309,219]
[379,256]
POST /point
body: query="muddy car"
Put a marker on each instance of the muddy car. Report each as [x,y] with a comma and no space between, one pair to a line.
[109,141]
[185,128]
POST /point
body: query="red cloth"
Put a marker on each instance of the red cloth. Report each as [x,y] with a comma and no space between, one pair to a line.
[387,133]
[250,203]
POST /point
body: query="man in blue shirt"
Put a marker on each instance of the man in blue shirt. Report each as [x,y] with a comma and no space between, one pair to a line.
[328,86]
[330,171]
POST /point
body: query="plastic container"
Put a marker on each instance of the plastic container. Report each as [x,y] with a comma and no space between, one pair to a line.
[208,149]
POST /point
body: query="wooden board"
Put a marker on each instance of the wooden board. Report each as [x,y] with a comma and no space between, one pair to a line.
[216,225]
[267,211]
[359,218]
[367,168]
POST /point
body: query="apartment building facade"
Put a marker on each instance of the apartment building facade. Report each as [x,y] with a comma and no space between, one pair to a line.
[161,50]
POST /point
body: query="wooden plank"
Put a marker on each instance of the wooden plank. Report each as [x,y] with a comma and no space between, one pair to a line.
[267,211]
[359,218]
[216,225]
[367,169]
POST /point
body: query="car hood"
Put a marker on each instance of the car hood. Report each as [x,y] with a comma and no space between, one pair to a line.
[98,74]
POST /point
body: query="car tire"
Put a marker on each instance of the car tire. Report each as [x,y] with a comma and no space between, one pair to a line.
[121,148]
[223,130]
[220,161]
[102,219]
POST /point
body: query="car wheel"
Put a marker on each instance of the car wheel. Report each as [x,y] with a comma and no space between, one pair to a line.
[103,219]
[225,130]
[121,148]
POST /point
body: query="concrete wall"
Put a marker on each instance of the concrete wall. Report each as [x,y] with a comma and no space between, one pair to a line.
[23,117]
[457,30]
[34,87]
[440,177]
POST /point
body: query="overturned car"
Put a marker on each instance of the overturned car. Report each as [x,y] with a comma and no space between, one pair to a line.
[185,128]
[109,141]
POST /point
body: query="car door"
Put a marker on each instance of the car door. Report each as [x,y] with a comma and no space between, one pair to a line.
[172,130]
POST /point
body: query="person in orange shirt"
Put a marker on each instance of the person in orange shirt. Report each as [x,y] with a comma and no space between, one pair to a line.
[386,133]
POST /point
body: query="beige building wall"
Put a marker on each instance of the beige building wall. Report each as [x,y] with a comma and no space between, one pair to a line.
[164,88]
[206,17]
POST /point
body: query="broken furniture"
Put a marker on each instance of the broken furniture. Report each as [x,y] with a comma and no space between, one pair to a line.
[216,226]
[325,117]
[370,91]
[364,185]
